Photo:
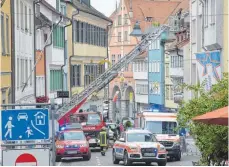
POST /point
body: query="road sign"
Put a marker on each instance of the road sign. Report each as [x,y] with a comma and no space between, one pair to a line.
[25,124]
[62,94]
[35,157]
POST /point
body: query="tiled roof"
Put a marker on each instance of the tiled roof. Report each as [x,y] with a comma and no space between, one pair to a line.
[90,10]
[159,10]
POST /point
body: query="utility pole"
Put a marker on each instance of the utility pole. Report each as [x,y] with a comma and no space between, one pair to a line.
[53,132]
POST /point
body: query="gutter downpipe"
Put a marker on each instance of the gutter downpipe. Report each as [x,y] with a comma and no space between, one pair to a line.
[65,57]
[73,53]
[108,87]
[13,98]
[34,42]
[45,62]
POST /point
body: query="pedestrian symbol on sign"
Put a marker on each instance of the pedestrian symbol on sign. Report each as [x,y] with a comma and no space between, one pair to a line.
[9,126]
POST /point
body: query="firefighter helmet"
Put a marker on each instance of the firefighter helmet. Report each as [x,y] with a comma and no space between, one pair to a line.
[104,128]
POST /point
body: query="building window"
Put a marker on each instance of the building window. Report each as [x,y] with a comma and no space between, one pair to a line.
[206,13]
[89,34]
[26,23]
[119,36]
[91,72]
[126,19]
[22,16]
[194,31]
[167,70]
[7,35]
[126,36]
[119,57]
[57,5]
[18,73]
[26,70]
[171,92]
[3,96]
[63,10]
[58,37]
[18,11]
[22,73]
[113,59]
[142,89]
[30,21]
[76,72]
[213,11]
[177,61]
[31,67]
[3,34]
[119,20]
[167,87]
[55,80]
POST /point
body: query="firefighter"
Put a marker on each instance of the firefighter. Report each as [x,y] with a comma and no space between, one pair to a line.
[103,140]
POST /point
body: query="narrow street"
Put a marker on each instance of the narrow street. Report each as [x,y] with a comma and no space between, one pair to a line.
[98,160]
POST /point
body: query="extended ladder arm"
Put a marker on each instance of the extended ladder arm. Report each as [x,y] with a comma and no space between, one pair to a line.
[105,78]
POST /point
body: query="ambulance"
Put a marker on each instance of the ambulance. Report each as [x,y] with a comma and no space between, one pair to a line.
[164,127]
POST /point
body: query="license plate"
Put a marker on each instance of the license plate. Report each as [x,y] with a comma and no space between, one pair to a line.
[168,157]
[149,154]
[72,152]
[92,141]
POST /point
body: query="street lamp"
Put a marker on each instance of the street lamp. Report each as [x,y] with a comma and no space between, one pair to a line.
[137,31]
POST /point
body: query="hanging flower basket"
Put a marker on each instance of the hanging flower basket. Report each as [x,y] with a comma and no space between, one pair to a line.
[42,99]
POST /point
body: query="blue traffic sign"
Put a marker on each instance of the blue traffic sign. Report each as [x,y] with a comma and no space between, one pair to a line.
[25,124]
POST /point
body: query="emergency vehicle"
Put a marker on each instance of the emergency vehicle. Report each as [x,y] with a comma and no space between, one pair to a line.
[164,126]
[138,145]
[92,123]
[71,142]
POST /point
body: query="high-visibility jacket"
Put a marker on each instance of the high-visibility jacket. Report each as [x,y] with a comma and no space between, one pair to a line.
[103,138]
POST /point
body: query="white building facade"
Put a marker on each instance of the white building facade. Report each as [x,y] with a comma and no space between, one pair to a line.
[206,38]
[140,75]
[24,51]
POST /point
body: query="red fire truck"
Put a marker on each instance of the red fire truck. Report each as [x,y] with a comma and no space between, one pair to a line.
[92,123]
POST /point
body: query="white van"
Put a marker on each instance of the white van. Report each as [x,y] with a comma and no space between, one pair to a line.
[164,126]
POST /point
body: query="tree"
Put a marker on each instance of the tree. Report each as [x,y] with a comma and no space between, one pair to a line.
[212,140]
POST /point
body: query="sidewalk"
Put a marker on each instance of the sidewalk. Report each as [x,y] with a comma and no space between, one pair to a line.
[191,148]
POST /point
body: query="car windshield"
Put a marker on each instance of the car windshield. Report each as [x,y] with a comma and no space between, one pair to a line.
[87,119]
[141,137]
[72,136]
[161,127]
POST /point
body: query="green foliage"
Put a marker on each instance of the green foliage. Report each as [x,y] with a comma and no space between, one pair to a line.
[212,140]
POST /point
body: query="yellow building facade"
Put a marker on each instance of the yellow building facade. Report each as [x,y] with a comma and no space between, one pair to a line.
[5,50]
[89,47]
[225,53]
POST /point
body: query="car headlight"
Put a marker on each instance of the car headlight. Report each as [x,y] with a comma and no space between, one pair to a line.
[59,146]
[162,148]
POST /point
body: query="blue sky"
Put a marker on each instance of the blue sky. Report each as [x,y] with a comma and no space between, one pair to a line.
[104,6]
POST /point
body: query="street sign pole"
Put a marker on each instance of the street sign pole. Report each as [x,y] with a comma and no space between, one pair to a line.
[53,132]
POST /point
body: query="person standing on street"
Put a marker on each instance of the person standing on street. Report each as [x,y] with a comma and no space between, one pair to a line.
[103,141]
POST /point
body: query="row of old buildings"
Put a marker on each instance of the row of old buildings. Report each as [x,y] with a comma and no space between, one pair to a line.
[54,45]
[194,51]
[49,46]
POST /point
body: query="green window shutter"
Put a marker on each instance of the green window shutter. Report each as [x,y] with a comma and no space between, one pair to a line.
[63,35]
[57,5]
[51,80]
